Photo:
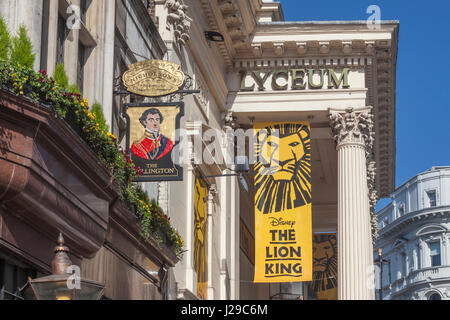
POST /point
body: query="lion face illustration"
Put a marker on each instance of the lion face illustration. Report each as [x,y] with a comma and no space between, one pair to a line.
[283,176]
[324,254]
[324,265]
[284,166]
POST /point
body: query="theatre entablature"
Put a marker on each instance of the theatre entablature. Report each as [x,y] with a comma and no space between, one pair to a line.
[299,70]
[278,70]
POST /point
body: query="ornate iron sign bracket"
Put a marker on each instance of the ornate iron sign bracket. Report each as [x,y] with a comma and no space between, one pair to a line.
[185,89]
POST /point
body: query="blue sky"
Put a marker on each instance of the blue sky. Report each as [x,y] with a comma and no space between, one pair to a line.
[423,74]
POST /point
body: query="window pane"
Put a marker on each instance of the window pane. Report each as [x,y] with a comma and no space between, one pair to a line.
[432,198]
[435,252]
[435,261]
[61,37]
[435,248]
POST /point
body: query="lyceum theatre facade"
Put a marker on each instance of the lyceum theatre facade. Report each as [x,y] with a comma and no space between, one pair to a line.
[339,76]
[333,82]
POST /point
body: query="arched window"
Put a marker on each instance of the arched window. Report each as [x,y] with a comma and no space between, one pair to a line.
[435,296]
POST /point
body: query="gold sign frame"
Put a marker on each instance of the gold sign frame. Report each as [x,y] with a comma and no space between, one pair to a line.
[154,154]
[153,78]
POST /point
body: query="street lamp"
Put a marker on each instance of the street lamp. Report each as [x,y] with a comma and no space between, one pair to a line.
[59,285]
[380,263]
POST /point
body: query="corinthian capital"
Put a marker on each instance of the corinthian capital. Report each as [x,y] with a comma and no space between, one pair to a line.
[229,120]
[352,127]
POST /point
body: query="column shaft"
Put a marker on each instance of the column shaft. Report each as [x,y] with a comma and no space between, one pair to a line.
[354,253]
[353,133]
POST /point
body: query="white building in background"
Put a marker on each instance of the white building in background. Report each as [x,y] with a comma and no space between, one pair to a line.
[414,232]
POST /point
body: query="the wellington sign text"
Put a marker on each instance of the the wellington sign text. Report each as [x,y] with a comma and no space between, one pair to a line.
[295,79]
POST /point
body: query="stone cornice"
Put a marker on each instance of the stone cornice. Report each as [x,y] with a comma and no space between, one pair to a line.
[270,10]
[316,44]
[381,83]
[214,21]
[296,61]
[412,217]
[421,177]
[311,46]
[208,65]
[417,278]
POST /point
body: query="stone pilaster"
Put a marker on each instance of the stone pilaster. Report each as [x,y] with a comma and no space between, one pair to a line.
[211,194]
[163,196]
[352,130]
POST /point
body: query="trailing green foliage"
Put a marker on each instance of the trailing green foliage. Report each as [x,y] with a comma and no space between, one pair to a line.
[22,48]
[75,110]
[74,88]
[5,40]
[98,111]
[60,75]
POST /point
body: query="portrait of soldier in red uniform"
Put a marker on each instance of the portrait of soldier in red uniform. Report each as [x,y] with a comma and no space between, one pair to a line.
[153,146]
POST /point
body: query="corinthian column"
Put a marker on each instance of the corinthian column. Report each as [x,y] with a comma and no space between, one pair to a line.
[352,130]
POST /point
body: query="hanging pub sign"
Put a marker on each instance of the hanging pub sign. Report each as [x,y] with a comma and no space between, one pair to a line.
[152,134]
[283,230]
[153,78]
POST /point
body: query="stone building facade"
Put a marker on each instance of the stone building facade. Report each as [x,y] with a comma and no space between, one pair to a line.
[414,237]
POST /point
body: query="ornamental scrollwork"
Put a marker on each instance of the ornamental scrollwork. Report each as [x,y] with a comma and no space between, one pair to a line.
[353,127]
[373,197]
[177,17]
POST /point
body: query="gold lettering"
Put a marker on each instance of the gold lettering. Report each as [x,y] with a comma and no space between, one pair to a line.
[334,82]
[298,79]
[243,87]
[280,74]
[311,79]
[159,171]
[259,80]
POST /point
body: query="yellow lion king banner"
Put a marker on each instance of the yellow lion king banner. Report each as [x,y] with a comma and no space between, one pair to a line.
[283,231]
[324,284]
[200,236]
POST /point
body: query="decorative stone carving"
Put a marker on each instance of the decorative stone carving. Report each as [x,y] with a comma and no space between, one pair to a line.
[370,47]
[178,19]
[347,47]
[354,127]
[257,50]
[229,121]
[373,197]
[212,192]
[279,49]
[301,47]
[447,293]
[324,46]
